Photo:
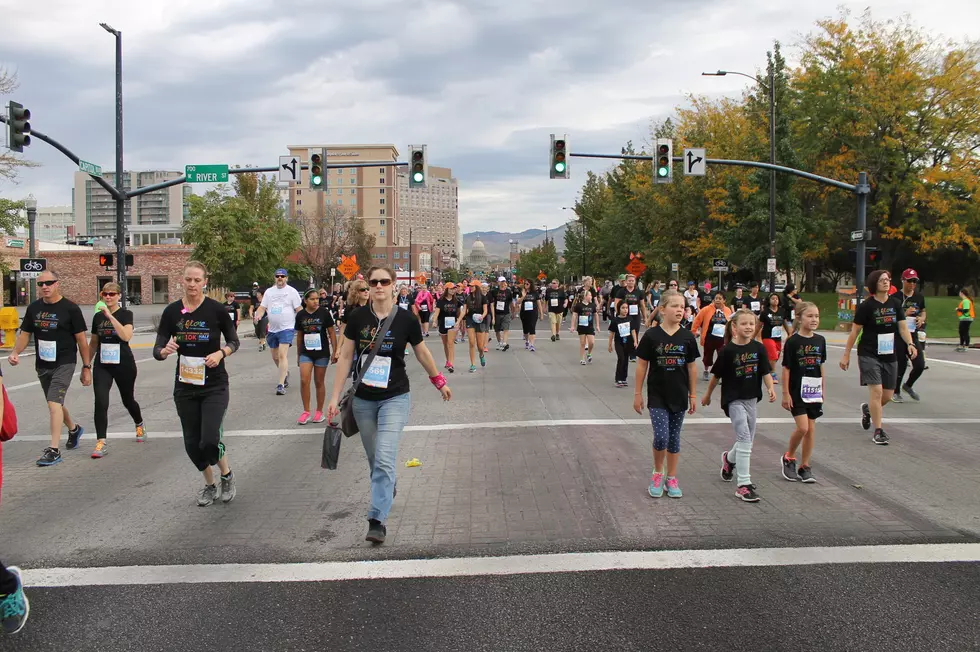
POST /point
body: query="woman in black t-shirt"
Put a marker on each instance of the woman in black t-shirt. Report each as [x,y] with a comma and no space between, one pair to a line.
[315,337]
[529,314]
[448,314]
[583,314]
[382,401]
[112,329]
[232,307]
[192,328]
[357,296]
[476,324]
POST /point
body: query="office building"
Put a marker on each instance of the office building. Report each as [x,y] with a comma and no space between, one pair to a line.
[95,209]
[431,213]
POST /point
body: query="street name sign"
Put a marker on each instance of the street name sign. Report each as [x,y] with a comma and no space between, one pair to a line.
[695,162]
[91,168]
[206,173]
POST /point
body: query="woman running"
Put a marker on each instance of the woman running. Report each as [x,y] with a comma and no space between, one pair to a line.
[316,337]
[791,299]
[112,329]
[382,402]
[966,313]
[584,313]
[357,296]
[710,322]
[770,329]
[529,314]
[476,327]
[622,333]
[192,328]
[742,367]
[449,313]
[804,389]
[670,353]
[262,325]
[231,306]
[424,305]
[405,298]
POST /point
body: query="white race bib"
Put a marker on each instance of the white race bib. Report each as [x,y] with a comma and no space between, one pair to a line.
[47,350]
[755,306]
[377,374]
[424,307]
[109,353]
[910,322]
[718,330]
[403,306]
[656,302]
[583,320]
[792,315]
[811,389]
[528,306]
[921,335]
[500,305]
[554,303]
[312,342]
[190,370]
[450,322]
[634,309]
[886,343]
[275,310]
[624,329]
[777,332]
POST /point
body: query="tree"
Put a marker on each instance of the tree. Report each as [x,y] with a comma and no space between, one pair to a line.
[543,258]
[324,237]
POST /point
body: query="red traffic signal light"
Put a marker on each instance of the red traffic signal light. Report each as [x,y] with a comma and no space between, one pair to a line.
[105,260]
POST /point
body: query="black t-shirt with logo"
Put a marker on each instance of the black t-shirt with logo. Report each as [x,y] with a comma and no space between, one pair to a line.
[528,305]
[319,323]
[803,356]
[232,308]
[668,380]
[405,302]
[362,325]
[632,297]
[770,319]
[555,300]
[614,323]
[717,318]
[198,335]
[741,368]
[57,322]
[587,310]
[755,304]
[474,306]
[916,301]
[106,332]
[740,302]
[448,308]
[878,319]
[789,306]
[506,296]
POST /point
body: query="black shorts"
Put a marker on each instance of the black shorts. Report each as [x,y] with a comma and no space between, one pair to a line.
[812,410]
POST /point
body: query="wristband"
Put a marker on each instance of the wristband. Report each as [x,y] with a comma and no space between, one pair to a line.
[438,381]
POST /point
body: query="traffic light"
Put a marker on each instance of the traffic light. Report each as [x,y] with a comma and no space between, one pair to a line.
[318,179]
[418,167]
[18,127]
[874,258]
[559,155]
[663,168]
[106,260]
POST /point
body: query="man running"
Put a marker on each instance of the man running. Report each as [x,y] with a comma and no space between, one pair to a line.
[557,302]
[282,302]
[914,309]
[503,306]
[59,333]
[261,325]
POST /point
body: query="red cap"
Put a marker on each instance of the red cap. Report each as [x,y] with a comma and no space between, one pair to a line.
[910,274]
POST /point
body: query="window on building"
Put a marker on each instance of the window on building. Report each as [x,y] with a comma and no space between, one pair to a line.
[340,182]
[353,181]
[382,222]
[299,192]
[340,202]
[353,202]
[382,200]
[381,170]
[397,255]
[352,171]
[299,202]
[382,211]
[353,192]
[381,181]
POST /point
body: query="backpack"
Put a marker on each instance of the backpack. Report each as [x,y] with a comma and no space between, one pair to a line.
[8,428]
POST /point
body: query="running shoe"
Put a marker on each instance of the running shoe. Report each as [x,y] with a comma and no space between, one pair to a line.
[483,360]
[280,390]
[865,416]
[15,608]
[588,358]
[286,382]
[472,368]
[531,348]
[73,437]
[775,380]
[499,346]
[140,434]
[705,375]
[447,364]
[304,418]
[207,495]
[806,475]
[656,489]
[727,468]
[318,417]
[582,362]
[673,489]
[376,531]
[897,398]
[101,449]
[880,437]
[450,369]
[558,338]
[747,493]
[228,488]
[789,469]
[49,457]
[527,345]
[486,349]
[552,338]
[914,395]
[506,346]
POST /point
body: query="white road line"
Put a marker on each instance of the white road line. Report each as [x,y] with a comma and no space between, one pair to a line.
[38,382]
[499,566]
[930,360]
[315,429]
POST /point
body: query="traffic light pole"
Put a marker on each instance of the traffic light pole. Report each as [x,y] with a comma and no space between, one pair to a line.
[120,200]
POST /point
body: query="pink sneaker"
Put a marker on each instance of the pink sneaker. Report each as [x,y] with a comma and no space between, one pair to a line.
[303,419]
[318,417]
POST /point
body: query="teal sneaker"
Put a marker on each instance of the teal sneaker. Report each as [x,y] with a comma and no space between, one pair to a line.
[472,368]
[656,489]
[673,489]
[15,608]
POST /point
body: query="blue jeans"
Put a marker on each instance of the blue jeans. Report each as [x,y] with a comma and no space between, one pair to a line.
[381,424]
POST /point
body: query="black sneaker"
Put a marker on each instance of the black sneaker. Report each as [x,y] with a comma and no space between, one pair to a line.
[727,467]
[49,457]
[911,392]
[376,531]
[865,416]
[506,346]
[880,437]
[789,469]
[552,338]
[557,338]
[806,475]
[747,493]
[73,436]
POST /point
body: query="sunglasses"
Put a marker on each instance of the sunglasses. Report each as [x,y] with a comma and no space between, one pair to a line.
[363,290]
[280,276]
[109,294]
[383,282]
[45,284]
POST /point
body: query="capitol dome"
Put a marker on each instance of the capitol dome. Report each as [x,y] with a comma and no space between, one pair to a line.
[477,260]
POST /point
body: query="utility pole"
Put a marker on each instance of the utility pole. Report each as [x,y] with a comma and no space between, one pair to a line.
[31,205]
[120,200]
[772,172]
[410,275]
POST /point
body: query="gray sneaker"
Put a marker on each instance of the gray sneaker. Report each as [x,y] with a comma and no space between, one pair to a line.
[705,375]
[914,395]
[207,495]
[897,398]
[228,489]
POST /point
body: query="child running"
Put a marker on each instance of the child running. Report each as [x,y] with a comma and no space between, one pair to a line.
[670,352]
[742,367]
[803,388]
[584,313]
[621,332]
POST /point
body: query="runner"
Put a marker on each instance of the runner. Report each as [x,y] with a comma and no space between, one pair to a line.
[317,336]
[382,402]
[621,333]
[791,298]
[112,330]
[261,325]
[424,304]
[966,313]
[755,300]
[404,298]
[633,298]
[771,331]
[653,299]
[357,296]
[449,313]
[529,315]
[59,335]
[557,301]
[488,320]
[914,310]
[503,307]
[804,389]
[670,352]
[878,320]
[476,315]
[192,328]
[584,314]
[739,301]
[692,296]
[282,302]
[742,367]
[231,306]
[688,319]
[710,322]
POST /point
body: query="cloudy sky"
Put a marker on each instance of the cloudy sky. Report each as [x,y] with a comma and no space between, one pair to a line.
[482,82]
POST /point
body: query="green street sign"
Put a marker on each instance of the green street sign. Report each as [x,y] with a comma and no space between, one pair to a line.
[15,244]
[91,168]
[206,173]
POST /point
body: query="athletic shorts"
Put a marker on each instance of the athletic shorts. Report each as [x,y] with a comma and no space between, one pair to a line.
[811,410]
[502,322]
[773,348]
[316,362]
[875,372]
[482,327]
[55,382]
[282,337]
[554,318]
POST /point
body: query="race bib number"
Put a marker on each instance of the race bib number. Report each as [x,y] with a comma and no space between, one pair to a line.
[624,329]
[718,330]
[377,374]
[109,353]
[275,310]
[554,303]
[792,315]
[528,306]
[921,335]
[634,309]
[47,350]
[777,332]
[312,342]
[583,320]
[190,371]
[500,305]
[755,306]
[656,302]
[424,307]
[886,343]
[450,322]
[403,306]
[811,390]
[910,322]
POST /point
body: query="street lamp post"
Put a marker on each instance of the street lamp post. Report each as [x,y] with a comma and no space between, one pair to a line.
[31,205]
[772,153]
[120,202]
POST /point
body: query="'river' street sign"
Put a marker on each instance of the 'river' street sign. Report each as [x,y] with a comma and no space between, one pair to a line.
[206,173]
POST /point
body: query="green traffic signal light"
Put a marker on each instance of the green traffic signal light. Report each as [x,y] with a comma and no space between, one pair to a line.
[560,167]
[418,177]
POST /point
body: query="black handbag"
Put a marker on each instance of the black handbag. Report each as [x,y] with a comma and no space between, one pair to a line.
[346,406]
[332,437]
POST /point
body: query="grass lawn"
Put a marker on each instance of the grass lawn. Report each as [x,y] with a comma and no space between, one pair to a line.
[942,320]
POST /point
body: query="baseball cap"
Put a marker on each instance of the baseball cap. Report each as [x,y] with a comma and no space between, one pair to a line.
[450,285]
[501,279]
[282,272]
[255,283]
[475,283]
[622,277]
[910,275]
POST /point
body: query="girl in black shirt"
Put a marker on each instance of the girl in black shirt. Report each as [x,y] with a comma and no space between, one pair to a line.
[476,324]
[448,314]
[622,333]
[583,314]
[315,336]
[529,315]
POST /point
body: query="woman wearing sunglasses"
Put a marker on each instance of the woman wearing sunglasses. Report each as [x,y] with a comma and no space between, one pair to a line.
[112,329]
[357,296]
[382,401]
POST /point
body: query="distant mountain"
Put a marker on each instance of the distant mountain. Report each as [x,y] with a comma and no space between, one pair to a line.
[498,246]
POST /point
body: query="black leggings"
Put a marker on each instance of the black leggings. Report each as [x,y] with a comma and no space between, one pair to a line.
[624,351]
[125,377]
[529,322]
[202,412]
[965,332]
[918,366]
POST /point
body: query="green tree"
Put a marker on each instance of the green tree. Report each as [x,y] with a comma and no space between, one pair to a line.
[325,237]
[543,258]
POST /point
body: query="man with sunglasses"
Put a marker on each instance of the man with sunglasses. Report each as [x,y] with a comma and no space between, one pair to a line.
[281,302]
[59,332]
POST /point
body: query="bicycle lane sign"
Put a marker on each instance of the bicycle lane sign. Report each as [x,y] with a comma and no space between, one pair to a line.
[32,267]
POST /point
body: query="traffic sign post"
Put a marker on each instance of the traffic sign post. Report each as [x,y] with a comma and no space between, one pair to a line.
[32,267]
[90,168]
[206,173]
[771,267]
